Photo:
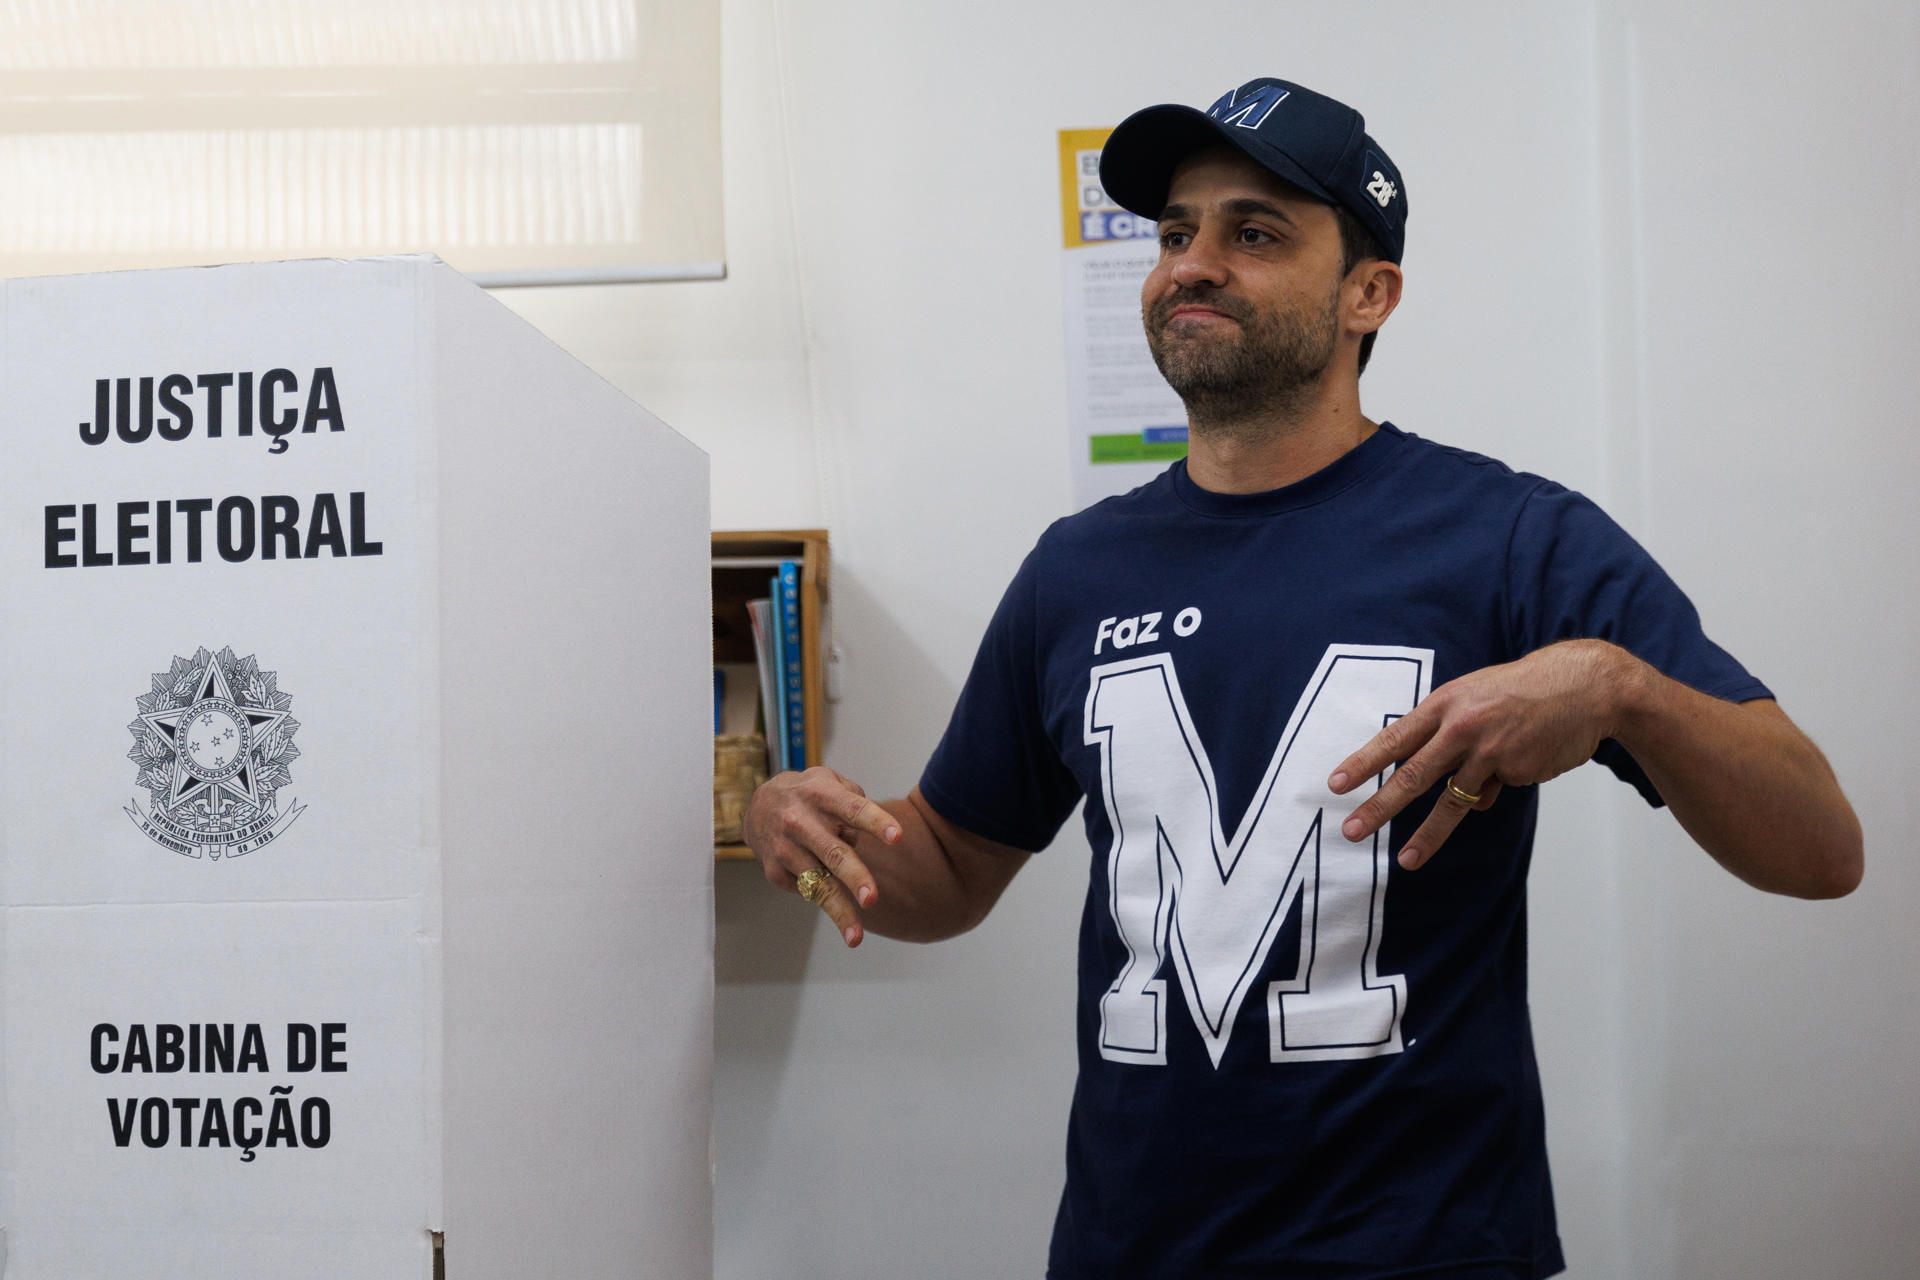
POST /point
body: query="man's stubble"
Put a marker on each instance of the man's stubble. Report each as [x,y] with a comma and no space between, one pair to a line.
[1240,383]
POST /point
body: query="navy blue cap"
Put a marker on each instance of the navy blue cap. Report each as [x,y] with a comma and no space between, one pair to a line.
[1303,137]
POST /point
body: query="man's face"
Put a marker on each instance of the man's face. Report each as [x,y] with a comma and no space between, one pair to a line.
[1242,312]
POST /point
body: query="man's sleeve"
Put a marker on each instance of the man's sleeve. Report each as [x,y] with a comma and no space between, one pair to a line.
[1573,573]
[996,773]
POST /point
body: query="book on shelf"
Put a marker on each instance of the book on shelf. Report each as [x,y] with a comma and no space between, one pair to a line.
[761,614]
[793,671]
[777,712]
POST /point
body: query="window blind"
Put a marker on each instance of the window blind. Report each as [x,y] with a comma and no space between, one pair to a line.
[524,141]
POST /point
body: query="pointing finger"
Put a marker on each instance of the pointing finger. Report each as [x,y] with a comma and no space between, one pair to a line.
[848,870]
[859,814]
[1455,802]
[1406,784]
[816,844]
[869,817]
[833,900]
[1396,741]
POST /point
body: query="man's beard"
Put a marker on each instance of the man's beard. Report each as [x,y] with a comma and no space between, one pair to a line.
[1232,383]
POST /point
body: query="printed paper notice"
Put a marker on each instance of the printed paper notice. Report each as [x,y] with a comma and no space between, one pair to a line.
[218,874]
[1125,424]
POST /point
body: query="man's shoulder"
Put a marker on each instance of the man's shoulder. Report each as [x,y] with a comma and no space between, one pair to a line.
[1483,471]
[1101,520]
[1469,489]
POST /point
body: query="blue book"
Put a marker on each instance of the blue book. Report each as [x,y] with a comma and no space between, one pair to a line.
[793,664]
[777,718]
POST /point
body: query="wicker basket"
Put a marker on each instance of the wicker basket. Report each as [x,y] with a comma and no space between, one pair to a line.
[739,765]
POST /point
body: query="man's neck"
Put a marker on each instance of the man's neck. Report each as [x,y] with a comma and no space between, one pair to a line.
[1254,455]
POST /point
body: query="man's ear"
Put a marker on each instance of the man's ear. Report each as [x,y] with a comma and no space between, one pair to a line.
[1372,292]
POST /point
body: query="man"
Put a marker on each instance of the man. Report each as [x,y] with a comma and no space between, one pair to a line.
[1303,1033]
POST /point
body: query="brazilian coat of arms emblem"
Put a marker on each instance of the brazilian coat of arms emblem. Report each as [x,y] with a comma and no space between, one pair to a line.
[214,744]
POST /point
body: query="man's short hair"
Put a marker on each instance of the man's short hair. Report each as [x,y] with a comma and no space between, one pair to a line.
[1357,245]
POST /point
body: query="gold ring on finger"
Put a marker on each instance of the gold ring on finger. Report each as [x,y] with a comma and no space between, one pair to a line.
[812,884]
[1464,797]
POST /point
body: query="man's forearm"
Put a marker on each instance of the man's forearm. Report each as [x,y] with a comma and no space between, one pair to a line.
[1744,782]
[929,887]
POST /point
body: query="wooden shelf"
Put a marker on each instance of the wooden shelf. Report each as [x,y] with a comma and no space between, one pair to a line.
[743,560]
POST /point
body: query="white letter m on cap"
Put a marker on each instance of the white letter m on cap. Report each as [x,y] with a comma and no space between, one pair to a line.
[1180,888]
[1251,111]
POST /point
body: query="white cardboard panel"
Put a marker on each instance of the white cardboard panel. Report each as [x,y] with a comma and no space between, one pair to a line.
[350,638]
[222,775]
[275,1253]
[352,1158]
[579,906]
[556,1051]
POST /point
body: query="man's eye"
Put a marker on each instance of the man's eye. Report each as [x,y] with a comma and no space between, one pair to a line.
[1173,239]
[1253,235]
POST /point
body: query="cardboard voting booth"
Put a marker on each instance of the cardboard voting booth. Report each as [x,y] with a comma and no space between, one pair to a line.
[353,789]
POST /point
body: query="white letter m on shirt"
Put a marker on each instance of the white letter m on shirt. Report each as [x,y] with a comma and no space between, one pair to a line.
[1179,887]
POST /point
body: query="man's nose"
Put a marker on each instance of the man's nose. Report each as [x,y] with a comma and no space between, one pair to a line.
[1200,263]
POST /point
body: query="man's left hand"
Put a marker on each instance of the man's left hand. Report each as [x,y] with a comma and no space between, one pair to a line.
[1516,724]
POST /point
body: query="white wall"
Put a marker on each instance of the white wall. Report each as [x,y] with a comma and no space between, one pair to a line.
[1776,184]
[1661,252]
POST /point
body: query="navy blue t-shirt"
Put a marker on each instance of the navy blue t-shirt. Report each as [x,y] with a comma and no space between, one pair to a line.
[1296,1059]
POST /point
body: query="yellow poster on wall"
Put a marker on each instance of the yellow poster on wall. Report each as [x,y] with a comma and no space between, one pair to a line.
[1124,423]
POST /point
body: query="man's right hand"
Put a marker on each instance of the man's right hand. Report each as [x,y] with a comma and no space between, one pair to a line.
[797,822]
